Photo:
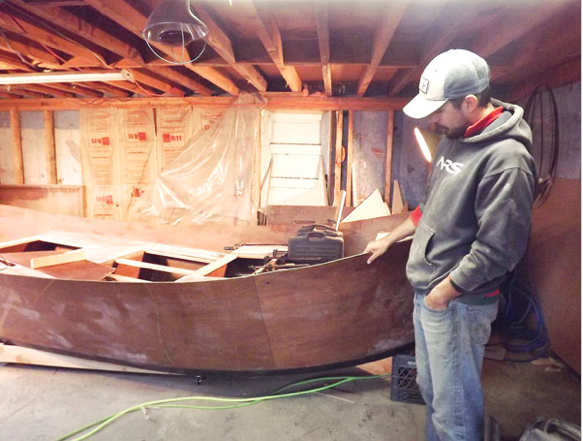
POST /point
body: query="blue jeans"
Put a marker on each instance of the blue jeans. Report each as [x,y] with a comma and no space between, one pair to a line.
[449,350]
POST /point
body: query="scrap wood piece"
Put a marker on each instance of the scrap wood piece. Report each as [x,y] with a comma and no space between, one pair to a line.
[81,270]
[120,278]
[378,367]
[373,206]
[186,253]
[258,251]
[57,259]
[398,204]
[213,266]
[22,355]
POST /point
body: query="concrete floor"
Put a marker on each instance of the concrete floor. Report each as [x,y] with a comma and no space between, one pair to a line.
[47,403]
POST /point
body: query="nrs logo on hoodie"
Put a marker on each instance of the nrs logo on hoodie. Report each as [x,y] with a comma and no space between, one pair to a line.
[451,167]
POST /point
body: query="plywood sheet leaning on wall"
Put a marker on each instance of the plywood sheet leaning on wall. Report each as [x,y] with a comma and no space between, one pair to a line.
[553,265]
[398,204]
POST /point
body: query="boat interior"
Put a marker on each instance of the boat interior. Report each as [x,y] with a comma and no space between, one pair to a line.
[74,256]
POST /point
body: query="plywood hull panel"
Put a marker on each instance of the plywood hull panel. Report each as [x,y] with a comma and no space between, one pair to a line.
[334,313]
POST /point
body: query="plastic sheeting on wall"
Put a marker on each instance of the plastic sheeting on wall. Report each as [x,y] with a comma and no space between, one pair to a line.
[212,180]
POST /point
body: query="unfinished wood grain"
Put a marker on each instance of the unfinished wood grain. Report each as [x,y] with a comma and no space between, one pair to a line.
[382,37]
[17,160]
[120,278]
[389,154]
[321,10]
[258,251]
[213,266]
[287,319]
[57,259]
[339,156]
[397,203]
[269,34]
[22,355]
[349,156]
[50,151]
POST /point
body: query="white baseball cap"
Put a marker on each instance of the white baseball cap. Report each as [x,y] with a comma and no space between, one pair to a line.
[452,74]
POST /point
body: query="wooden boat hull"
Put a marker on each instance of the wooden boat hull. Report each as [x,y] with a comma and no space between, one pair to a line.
[337,313]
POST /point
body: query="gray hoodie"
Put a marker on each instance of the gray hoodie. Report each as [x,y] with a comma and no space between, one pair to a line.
[477,210]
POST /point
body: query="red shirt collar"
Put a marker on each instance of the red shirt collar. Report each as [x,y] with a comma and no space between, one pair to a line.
[483,123]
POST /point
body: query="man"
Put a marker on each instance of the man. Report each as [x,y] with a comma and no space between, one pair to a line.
[470,231]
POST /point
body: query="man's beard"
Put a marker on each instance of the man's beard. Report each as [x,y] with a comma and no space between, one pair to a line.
[456,132]
[450,133]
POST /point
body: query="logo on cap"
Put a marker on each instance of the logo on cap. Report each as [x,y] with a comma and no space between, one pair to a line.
[423,84]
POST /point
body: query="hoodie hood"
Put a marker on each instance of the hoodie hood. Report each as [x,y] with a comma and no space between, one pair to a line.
[509,125]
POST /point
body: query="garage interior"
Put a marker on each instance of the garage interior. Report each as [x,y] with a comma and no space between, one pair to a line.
[297,105]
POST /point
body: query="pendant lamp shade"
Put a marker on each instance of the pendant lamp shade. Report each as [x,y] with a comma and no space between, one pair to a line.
[173,23]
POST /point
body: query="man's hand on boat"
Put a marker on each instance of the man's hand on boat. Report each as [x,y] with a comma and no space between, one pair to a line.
[380,246]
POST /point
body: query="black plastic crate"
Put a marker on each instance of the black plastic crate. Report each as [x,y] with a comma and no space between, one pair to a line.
[403,385]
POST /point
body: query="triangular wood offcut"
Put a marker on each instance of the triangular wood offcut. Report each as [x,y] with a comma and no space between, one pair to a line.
[373,206]
[398,204]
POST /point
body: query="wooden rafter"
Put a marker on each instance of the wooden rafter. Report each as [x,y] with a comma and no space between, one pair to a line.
[85,29]
[219,41]
[13,61]
[45,90]
[134,21]
[23,89]
[109,88]
[321,10]
[18,23]
[145,77]
[92,33]
[17,159]
[389,42]
[19,45]
[529,51]
[382,38]
[77,89]
[270,36]
[511,26]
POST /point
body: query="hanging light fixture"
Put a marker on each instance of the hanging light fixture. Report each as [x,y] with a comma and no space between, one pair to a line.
[65,77]
[173,24]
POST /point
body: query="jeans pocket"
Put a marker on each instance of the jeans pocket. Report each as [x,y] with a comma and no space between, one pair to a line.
[434,311]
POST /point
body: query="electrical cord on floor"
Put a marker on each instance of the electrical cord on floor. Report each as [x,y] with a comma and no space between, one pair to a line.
[241,402]
[521,303]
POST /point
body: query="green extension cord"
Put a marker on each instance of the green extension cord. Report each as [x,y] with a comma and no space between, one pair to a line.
[243,402]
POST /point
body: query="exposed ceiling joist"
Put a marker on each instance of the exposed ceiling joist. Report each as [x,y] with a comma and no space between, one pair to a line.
[219,41]
[134,20]
[124,13]
[334,47]
[321,11]
[34,51]
[435,45]
[270,36]
[78,89]
[511,25]
[84,29]
[15,21]
[382,37]
[45,90]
